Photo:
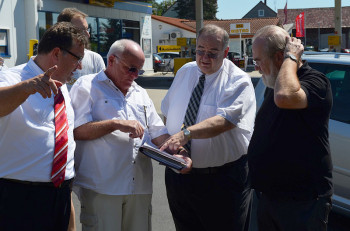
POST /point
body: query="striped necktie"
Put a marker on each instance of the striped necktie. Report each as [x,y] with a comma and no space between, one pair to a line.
[61,141]
[193,106]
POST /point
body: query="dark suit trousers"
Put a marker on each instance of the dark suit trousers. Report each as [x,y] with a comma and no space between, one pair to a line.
[215,201]
[283,214]
[34,207]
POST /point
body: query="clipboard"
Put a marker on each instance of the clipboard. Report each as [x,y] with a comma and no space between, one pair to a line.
[163,157]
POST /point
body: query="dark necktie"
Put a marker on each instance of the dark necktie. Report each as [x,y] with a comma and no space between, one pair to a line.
[193,106]
[61,141]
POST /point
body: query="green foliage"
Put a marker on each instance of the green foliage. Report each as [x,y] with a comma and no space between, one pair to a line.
[160,8]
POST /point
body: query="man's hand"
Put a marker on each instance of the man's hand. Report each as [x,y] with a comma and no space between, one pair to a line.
[174,142]
[133,127]
[294,47]
[184,155]
[43,84]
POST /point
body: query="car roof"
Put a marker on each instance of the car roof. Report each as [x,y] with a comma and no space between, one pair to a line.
[327,57]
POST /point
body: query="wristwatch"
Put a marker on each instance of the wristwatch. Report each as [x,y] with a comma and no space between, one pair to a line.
[292,57]
[187,134]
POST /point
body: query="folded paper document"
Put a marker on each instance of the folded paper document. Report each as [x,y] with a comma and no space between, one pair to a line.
[163,157]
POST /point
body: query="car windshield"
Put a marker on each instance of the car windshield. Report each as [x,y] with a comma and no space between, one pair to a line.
[339,77]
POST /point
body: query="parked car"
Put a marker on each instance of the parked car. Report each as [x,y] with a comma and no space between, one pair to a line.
[168,58]
[336,66]
[345,50]
[158,63]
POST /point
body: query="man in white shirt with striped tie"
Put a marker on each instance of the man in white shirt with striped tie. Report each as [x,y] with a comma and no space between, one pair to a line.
[36,130]
[210,109]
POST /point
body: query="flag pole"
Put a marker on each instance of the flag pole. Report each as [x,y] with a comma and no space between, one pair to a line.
[305,27]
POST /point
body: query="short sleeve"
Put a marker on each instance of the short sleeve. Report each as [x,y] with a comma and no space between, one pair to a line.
[82,102]
[237,103]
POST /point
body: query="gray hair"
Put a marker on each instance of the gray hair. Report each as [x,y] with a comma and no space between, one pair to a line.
[275,39]
[119,46]
[211,29]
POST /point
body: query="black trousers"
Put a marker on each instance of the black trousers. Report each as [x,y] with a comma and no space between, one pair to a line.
[213,201]
[34,207]
[283,214]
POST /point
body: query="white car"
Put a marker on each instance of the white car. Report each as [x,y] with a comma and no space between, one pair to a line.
[168,58]
[336,66]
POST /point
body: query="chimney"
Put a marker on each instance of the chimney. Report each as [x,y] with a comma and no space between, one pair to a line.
[265,2]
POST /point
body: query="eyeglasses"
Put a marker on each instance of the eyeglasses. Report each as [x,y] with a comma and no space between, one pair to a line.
[130,69]
[209,54]
[79,58]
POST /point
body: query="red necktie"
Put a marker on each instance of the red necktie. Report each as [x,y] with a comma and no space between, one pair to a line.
[61,141]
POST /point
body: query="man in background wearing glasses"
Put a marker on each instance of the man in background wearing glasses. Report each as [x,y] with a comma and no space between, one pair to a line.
[114,117]
[215,195]
[92,62]
[36,130]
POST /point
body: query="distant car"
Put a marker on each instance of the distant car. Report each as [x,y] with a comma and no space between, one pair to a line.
[336,66]
[158,63]
[345,50]
[168,58]
[324,49]
[233,55]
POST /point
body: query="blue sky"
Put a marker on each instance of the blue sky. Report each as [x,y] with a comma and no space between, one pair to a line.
[235,9]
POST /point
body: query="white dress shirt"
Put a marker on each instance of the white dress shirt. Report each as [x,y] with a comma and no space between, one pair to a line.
[27,135]
[112,164]
[228,93]
[91,63]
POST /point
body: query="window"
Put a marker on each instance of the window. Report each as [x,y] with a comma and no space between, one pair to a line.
[261,13]
[103,31]
[339,76]
[4,46]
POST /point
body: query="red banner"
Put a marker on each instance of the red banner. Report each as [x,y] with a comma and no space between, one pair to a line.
[285,14]
[299,25]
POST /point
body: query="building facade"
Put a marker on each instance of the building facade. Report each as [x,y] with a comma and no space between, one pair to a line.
[23,20]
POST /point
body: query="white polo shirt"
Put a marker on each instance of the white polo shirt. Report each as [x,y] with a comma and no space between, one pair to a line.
[228,93]
[27,135]
[112,164]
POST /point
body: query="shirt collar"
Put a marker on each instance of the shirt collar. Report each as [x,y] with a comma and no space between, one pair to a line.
[101,76]
[34,68]
[211,76]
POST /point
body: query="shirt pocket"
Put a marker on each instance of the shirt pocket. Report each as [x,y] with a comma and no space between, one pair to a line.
[104,109]
[143,114]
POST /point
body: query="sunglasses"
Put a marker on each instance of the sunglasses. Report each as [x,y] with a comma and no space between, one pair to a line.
[79,58]
[130,69]
[210,55]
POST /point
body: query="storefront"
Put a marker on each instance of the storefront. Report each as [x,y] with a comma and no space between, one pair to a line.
[31,18]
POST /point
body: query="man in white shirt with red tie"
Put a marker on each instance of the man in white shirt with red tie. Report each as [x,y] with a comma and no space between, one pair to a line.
[36,130]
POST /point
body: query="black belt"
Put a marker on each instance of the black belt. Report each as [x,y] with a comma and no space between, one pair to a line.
[214,170]
[40,184]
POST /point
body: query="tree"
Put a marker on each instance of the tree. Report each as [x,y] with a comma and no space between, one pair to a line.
[162,7]
[186,9]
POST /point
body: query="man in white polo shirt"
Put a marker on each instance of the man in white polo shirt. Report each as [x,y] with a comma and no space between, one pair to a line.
[36,130]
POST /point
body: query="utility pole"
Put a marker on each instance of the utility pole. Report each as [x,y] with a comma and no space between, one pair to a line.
[199,15]
[337,23]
